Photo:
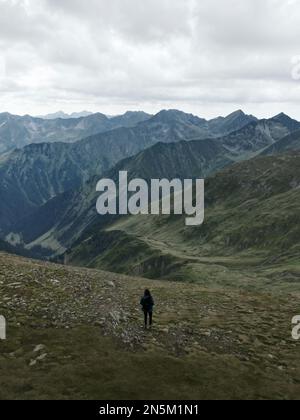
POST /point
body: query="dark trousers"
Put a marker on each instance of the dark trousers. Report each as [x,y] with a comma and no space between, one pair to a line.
[146,313]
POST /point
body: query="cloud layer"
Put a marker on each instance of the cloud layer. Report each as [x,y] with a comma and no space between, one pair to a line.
[207,57]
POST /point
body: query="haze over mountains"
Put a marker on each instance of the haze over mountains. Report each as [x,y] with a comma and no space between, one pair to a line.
[64,116]
[47,188]
[17,132]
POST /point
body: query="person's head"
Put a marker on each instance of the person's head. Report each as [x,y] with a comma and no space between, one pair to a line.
[147,293]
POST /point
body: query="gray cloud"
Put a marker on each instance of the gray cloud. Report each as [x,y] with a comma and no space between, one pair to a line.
[206,57]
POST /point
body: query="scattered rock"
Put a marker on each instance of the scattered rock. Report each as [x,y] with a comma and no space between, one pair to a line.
[42,357]
[271,356]
[116,316]
[111,284]
[39,348]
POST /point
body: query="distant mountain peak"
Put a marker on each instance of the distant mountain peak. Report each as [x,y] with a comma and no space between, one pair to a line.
[281,116]
[170,112]
[241,114]
[173,115]
[139,115]
[287,121]
[65,116]
[233,122]
[134,113]
[237,113]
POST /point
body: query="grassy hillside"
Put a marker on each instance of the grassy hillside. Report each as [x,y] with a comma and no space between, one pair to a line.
[62,220]
[77,334]
[250,236]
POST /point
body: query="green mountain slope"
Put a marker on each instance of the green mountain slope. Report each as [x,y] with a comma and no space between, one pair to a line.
[252,222]
[33,176]
[62,220]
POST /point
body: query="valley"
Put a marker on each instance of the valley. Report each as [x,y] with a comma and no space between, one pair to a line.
[31,177]
[149,203]
[250,235]
[226,291]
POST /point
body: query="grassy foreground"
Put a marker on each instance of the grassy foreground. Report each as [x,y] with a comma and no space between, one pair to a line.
[77,334]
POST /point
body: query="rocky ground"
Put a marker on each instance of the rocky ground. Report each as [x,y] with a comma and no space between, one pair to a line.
[77,333]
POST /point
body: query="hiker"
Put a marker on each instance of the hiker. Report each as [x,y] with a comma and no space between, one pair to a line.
[147,303]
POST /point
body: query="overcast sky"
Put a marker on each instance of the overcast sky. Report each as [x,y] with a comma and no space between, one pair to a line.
[208,57]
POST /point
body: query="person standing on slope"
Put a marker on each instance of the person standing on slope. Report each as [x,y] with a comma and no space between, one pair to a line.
[147,303]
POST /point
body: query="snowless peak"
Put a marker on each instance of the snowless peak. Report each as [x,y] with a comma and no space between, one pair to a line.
[65,116]
[168,115]
[287,121]
[281,115]
[237,113]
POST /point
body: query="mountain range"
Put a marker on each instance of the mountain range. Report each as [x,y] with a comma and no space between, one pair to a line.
[17,131]
[224,291]
[32,175]
[59,222]
[48,192]
[64,116]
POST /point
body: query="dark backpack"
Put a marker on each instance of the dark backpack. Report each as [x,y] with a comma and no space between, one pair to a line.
[147,303]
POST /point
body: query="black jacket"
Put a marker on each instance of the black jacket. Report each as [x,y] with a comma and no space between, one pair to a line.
[147,303]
